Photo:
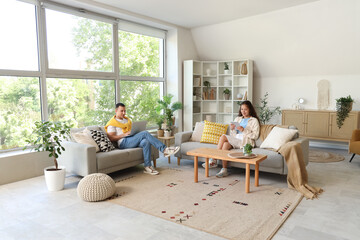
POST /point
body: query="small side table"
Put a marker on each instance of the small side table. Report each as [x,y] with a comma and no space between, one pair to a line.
[167,142]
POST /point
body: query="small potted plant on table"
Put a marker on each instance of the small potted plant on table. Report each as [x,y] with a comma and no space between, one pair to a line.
[49,136]
[247,149]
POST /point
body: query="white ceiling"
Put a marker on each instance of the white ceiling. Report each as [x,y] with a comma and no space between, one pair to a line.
[196,13]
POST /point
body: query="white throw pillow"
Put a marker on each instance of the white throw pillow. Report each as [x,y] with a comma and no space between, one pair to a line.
[198,131]
[278,137]
[84,136]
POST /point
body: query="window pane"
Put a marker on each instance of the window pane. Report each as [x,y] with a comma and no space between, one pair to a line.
[18,42]
[140,99]
[140,55]
[19,109]
[77,43]
[82,102]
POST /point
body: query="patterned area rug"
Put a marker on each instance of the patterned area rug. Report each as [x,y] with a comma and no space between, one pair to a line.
[324,157]
[218,206]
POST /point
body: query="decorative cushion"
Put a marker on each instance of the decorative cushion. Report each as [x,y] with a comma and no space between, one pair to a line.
[96,187]
[102,141]
[85,137]
[198,131]
[278,137]
[212,132]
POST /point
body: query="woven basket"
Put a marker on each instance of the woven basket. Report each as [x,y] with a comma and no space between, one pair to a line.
[96,187]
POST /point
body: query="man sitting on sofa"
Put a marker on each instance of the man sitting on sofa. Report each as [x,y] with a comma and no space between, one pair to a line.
[119,128]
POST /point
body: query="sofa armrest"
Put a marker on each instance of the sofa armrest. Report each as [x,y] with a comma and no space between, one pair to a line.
[182,137]
[305,148]
[78,158]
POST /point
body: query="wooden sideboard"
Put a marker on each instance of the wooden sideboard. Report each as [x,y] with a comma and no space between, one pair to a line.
[319,124]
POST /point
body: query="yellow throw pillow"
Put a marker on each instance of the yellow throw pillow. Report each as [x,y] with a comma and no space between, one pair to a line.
[212,132]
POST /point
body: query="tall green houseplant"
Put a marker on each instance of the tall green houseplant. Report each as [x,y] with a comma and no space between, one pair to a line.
[49,136]
[168,108]
[343,107]
[265,113]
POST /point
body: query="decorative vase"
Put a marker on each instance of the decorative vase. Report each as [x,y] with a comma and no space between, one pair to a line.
[226,96]
[208,71]
[244,69]
[239,96]
[160,132]
[55,179]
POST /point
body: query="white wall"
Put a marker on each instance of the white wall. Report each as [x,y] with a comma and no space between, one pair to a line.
[292,50]
[180,46]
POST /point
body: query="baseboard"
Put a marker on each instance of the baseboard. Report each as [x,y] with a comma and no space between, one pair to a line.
[329,144]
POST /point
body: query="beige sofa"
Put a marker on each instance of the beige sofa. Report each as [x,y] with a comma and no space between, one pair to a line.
[82,159]
[274,163]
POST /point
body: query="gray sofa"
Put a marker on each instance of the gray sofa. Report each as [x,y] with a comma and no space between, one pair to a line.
[82,159]
[274,163]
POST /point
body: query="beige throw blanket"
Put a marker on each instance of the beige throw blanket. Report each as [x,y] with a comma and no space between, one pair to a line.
[297,176]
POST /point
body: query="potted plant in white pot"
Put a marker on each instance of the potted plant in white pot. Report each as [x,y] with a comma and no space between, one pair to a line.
[226,68]
[168,109]
[49,136]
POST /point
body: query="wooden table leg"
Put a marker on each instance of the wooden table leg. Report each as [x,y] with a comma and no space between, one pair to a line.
[168,144]
[206,167]
[256,174]
[178,161]
[195,169]
[247,178]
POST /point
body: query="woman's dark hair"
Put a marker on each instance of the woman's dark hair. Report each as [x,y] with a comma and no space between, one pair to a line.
[252,111]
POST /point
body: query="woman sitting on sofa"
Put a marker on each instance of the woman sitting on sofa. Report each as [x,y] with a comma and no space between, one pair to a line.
[247,132]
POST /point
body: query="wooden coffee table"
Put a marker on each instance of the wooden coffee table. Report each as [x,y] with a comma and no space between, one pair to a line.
[223,155]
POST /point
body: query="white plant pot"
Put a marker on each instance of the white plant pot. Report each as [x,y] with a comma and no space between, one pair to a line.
[167,134]
[55,180]
[226,71]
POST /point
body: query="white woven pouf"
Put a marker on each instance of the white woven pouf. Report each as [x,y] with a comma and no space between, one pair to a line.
[96,187]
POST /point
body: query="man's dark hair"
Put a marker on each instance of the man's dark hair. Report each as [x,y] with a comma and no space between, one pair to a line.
[119,105]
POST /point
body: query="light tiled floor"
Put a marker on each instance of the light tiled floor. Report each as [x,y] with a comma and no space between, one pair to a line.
[29,211]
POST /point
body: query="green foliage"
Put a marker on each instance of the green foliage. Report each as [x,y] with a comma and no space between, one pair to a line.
[19,109]
[84,102]
[226,91]
[265,113]
[343,107]
[248,148]
[168,108]
[226,66]
[48,137]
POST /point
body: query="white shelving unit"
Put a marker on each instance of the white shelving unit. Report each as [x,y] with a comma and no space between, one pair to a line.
[208,103]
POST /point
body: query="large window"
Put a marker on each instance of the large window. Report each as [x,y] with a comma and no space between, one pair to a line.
[140,98]
[78,43]
[18,42]
[19,109]
[73,67]
[140,55]
[81,102]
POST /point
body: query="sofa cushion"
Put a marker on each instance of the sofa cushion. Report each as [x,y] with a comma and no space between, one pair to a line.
[85,137]
[102,141]
[278,137]
[212,132]
[198,131]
